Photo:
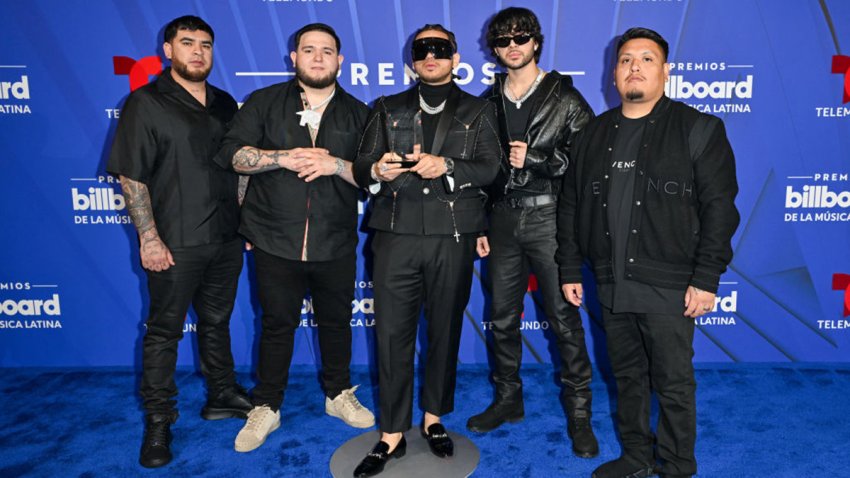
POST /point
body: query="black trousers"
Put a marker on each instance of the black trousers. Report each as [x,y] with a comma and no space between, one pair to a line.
[521,238]
[282,285]
[654,352]
[205,277]
[411,271]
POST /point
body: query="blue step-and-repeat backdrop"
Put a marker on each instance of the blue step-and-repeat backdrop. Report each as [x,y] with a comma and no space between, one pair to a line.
[72,289]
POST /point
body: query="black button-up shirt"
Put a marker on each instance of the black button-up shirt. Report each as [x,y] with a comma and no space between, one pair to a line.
[278,204]
[167,140]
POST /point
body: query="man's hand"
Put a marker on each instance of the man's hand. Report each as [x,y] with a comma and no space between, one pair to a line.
[428,166]
[482,246]
[698,302]
[310,163]
[573,293]
[517,154]
[387,168]
[155,255]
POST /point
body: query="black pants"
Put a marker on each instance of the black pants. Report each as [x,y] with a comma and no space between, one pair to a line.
[206,277]
[654,352]
[410,271]
[282,285]
[519,238]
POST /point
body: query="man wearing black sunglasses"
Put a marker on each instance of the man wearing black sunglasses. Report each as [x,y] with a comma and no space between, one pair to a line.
[425,156]
[539,116]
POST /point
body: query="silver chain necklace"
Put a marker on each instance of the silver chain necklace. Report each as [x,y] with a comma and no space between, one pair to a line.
[431,110]
[518,102]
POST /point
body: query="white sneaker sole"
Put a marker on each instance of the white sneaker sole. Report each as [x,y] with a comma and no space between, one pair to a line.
[244,449]
[363,424]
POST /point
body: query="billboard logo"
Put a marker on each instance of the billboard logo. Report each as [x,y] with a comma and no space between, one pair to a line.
[98,199]
[841,66]
[19,90]
[31,307]
[139,71]
[842,282]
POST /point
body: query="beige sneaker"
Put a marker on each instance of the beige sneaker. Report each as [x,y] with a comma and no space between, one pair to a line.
[261,421]
[347,408]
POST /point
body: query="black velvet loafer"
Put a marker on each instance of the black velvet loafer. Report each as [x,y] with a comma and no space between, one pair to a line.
[376,460]
[439,441]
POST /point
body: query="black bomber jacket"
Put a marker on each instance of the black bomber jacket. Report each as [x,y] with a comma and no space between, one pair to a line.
[683,211]
[558,113]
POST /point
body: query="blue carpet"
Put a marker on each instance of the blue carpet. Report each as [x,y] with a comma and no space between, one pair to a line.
[753,421]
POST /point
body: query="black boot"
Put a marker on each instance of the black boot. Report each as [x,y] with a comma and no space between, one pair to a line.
[156,450]
[228,403]
[499,412]
[584,441]
[623,467]
[376,460]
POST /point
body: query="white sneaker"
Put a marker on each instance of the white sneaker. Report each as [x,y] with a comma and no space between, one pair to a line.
[261,421]
[347,408]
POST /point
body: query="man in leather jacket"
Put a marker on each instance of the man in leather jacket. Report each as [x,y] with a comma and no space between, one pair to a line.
[539,115]
[650,201]
[425,156]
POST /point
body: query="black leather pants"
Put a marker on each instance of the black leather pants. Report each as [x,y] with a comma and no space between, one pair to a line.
[523,238]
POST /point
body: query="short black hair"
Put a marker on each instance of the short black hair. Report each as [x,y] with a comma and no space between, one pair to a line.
[186,22]
[515,19]
[438,28]
[317,27]
[640,32]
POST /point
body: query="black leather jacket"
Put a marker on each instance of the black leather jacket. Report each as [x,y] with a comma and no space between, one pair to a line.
[558,113]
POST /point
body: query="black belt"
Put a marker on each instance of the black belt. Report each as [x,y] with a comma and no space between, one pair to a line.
[528,201]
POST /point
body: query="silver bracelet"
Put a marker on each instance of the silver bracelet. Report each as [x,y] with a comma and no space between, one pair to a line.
[340,166]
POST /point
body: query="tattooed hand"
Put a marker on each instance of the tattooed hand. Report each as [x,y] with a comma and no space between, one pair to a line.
[155,255]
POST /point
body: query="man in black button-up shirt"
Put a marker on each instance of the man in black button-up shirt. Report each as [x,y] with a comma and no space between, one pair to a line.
[185,209]
[297,140]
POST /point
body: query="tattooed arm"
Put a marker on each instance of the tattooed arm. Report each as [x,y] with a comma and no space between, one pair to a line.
[242,189]
[153,252]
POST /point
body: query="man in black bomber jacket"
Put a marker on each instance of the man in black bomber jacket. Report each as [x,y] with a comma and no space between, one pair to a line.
[427,216]
[650,202]
[539,115]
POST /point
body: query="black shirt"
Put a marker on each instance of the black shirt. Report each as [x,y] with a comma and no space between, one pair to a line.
[627,295]
[166,140]
[516,122]
[434,95]
[279,205]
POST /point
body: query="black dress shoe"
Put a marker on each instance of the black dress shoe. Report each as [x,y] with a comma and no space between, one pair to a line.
[156,444]
[584,441]
[495,415]
[623,467]
[228,403]
[439,441]
[378,457]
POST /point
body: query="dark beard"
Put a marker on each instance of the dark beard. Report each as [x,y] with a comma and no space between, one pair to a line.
[182,71]
[317,83]
[522,65]
[634,95]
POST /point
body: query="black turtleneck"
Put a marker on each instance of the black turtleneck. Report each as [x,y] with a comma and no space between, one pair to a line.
[433,95]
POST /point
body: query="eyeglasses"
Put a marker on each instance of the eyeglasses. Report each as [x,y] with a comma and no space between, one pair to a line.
[519,39]
[441,48]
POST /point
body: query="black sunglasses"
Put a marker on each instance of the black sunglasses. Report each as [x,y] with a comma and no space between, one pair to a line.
[520,39]
[441,48]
